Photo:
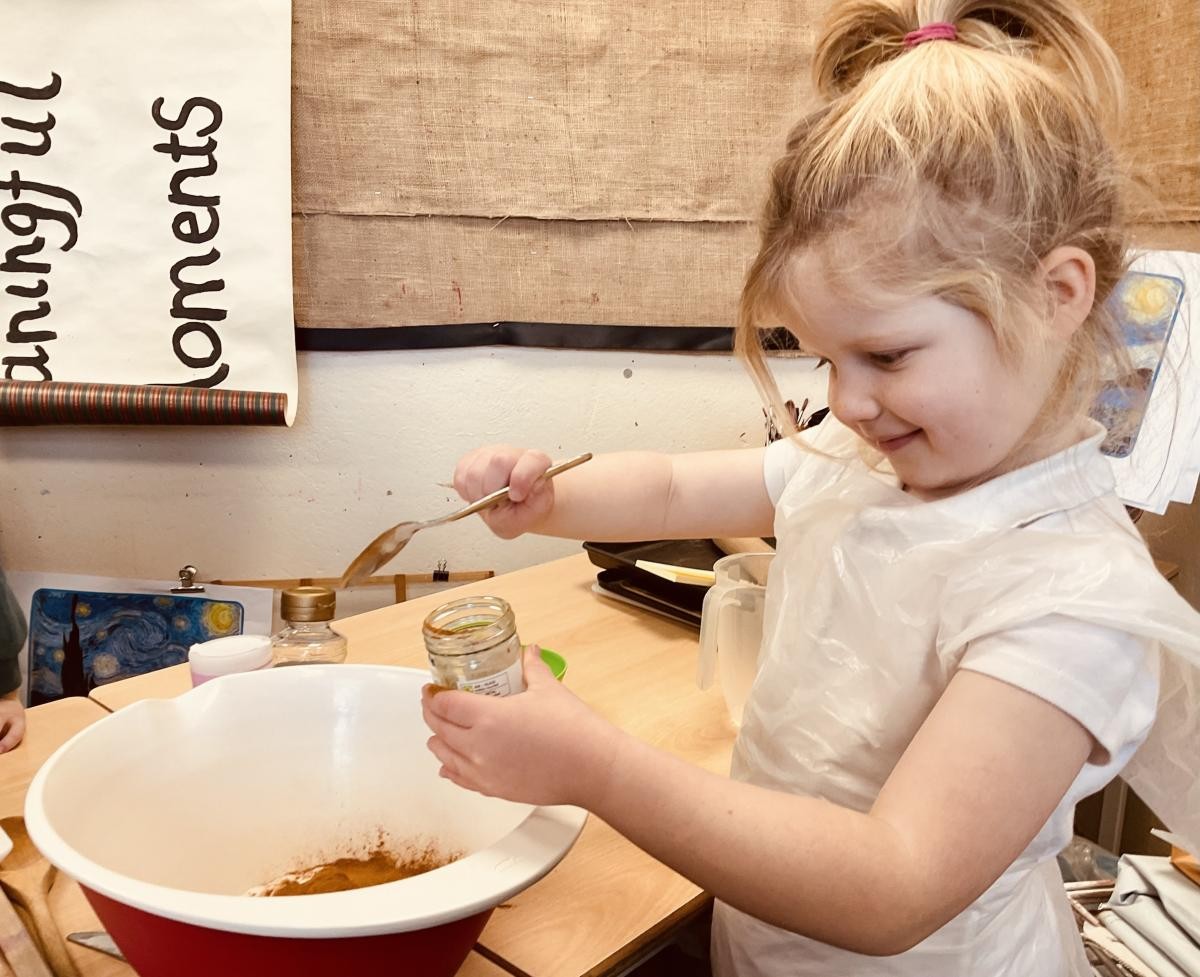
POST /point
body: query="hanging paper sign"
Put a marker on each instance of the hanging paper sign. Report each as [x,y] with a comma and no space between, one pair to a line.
[145,212]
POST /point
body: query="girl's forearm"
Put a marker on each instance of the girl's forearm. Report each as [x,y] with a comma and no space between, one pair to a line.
[987,768]
[645,495]
[619,496]
[800,863]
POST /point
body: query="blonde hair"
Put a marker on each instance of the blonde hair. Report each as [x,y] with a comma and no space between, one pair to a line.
[979,156]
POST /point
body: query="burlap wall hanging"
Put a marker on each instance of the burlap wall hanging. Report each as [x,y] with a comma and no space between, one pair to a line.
[597,163]
[480,162]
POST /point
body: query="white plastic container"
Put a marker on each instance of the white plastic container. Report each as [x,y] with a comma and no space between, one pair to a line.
[225,656]
[731,624]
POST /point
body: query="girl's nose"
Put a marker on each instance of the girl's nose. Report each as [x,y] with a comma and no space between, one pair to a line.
[852,398]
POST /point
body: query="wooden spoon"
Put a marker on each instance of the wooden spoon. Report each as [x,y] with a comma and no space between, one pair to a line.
[25,876]
[743,544]
[21,956]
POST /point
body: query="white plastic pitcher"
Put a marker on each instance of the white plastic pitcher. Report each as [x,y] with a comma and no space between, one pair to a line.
[731,627]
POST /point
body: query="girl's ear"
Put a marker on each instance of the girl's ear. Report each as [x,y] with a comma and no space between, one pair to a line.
[1070,277]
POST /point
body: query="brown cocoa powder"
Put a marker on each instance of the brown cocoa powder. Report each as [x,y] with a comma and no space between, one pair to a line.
[380,865]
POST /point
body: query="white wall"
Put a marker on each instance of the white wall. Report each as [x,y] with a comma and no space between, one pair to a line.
[375,434]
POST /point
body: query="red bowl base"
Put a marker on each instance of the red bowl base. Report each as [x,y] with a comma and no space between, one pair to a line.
[160,947]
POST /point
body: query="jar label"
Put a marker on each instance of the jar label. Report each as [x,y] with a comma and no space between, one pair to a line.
[508,682]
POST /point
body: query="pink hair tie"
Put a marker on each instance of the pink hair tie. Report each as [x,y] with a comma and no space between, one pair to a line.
[940,31]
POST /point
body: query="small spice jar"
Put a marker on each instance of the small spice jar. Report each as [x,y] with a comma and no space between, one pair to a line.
[225,656]
[308,639]
[473,645]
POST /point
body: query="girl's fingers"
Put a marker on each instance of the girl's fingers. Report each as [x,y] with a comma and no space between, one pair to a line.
[497,470]
[13,731]
[450,759]
[466,783]
[523,480]
[476,469]
[484,470]
[455,767]
[460,742]
[429,695]
[462,474]
[451,706]
[536,670]
[475,475]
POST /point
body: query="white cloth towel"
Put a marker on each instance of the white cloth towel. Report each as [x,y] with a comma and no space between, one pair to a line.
[1155,911]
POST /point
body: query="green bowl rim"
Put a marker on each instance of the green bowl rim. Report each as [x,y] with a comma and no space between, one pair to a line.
[556,663]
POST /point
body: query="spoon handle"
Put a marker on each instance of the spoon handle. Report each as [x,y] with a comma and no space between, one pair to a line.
[18,946]
[48,936]
[33,895]
[501,494]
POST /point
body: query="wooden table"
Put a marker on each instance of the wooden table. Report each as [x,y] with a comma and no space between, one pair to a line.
[607,903]
[48,727]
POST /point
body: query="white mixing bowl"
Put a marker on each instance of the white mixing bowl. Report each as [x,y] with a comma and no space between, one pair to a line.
[168,811]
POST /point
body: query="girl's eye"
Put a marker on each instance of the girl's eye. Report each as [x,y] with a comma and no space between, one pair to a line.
[893,358]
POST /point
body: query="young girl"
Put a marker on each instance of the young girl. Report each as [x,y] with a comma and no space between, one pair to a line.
[962,625]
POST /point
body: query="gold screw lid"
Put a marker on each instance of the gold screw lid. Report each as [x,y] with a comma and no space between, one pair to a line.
[307,604]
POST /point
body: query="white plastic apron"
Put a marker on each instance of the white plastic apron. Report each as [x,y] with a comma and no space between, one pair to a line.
[872,600]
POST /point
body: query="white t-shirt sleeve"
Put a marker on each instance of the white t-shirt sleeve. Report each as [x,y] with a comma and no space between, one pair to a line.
[1104,678]
[780,463]
[822,445]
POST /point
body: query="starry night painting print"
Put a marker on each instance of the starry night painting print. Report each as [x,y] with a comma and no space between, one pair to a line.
[1145,307]
[79,640]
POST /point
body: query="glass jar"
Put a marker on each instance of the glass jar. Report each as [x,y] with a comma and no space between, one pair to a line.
[307,638]
[473,645]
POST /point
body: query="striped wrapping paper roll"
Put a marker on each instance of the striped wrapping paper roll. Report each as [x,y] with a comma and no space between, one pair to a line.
[58,402]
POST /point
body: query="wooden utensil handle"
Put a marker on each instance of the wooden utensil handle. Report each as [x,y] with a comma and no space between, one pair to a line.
[743,544]
[54,947]
[18,947]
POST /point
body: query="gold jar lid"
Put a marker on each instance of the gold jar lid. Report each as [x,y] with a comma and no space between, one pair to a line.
[307,604]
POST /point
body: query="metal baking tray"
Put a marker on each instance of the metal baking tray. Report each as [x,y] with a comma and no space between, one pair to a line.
[695,554]
[619,576]
[678,601]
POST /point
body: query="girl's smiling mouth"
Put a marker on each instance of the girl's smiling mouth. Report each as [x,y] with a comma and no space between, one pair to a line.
[888,445]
